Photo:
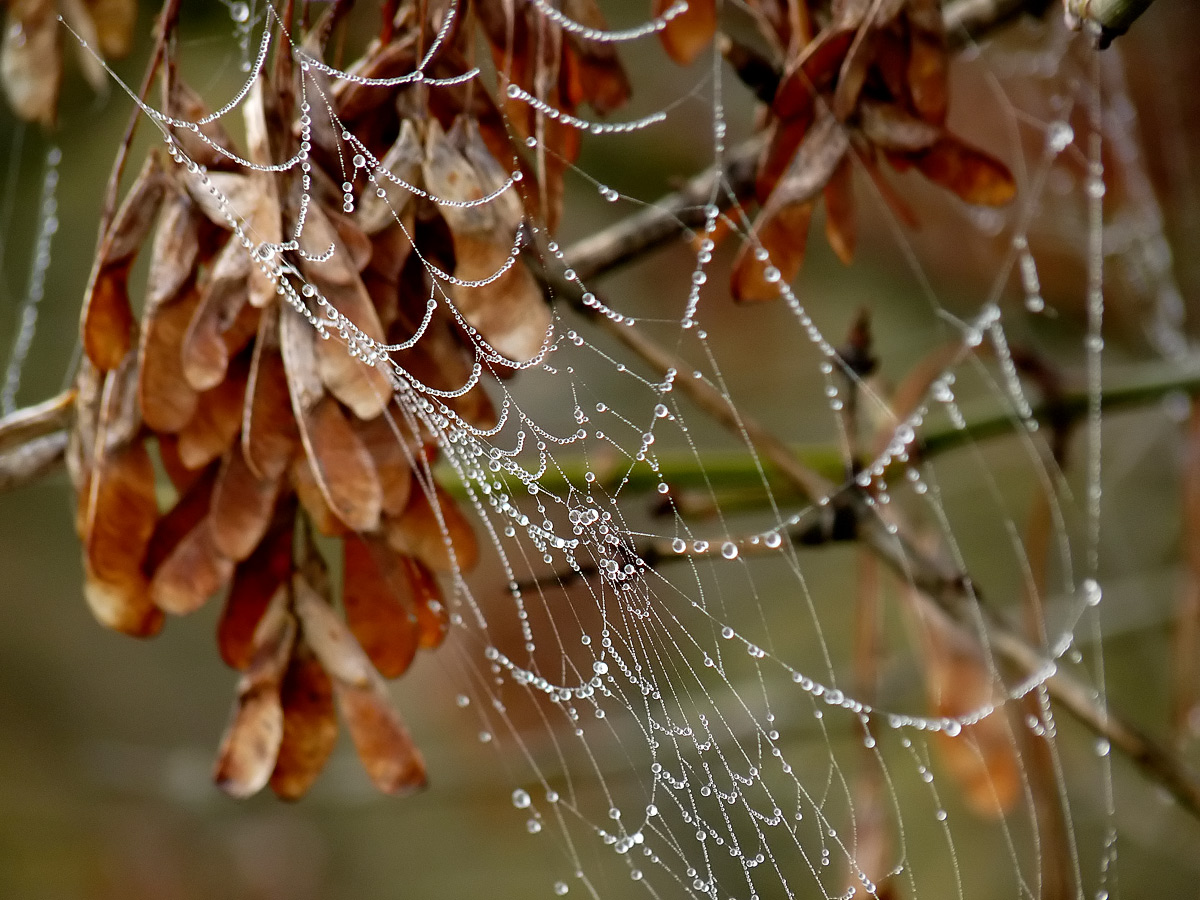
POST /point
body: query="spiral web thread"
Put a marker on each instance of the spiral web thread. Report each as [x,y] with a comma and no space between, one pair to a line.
[685,727]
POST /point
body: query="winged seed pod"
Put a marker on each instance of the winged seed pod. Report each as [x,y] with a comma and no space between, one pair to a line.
[31,49]
[244,371]
[870,87]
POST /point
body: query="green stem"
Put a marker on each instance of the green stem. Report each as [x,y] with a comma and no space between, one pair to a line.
[735,475]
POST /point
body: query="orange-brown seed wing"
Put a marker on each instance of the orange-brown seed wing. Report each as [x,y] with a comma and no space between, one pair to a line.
[309,725]
[440,537]
[242,505]
[379,607]
[119,521]
[255,581]
[687,34]
[251,743]
[970,173]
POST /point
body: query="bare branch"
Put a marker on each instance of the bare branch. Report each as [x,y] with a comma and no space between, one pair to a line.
[32,422]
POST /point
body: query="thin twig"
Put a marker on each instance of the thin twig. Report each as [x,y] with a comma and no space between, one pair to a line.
[33,422]
[166,26]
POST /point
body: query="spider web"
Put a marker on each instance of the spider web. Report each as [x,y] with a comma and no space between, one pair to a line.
[686,698]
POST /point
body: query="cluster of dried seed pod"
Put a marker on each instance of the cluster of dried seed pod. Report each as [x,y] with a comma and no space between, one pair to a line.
[858,85]
[250,404]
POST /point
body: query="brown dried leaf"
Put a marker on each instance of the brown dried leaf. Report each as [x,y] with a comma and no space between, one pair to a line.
[785,138]
[309,725]
[970,173]
[356,242]
[340,465]
[191,573]
[593,67]
[783,235]
[895,202]
[188,511]
[239,196]
[433,622]
[186,104]
[218,417]
[364,388]
[115,21]
[212,335]
[312,498]
[175,251]
[379,604]
[811,73]
[31,60]
[329,636]
[167,400]
[108,323]
[840,226]
[403,159]
[76,15]
[853,73]
[255,581]
[107,319]
[387,752]
[443,539]
[890,127]
[823,149]
[688,34]
[982,758]
[384,441]
[179,475]
[509,311]
[242,505]
[928,62]
[121,512]
[252,740]
[269,433]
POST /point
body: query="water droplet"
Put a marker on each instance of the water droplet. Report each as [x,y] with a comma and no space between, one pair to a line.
[239,12]
[533,826]
[1059,136]
[520,798]
[679,545]
[359,161]
[729,550]
[560,888]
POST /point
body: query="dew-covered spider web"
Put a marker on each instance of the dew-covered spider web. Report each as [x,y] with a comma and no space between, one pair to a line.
[699,669]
